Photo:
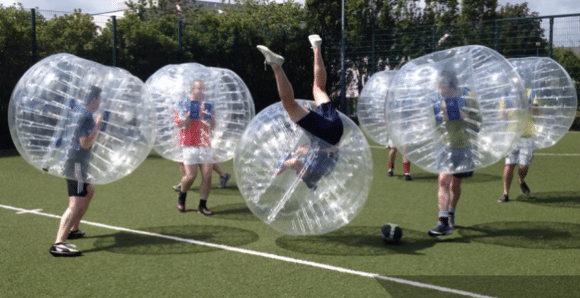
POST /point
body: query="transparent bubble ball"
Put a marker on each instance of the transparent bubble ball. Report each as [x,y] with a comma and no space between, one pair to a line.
[48,103]
[483,112]
[288,201]
[551,93]
[232,108]
[371,106]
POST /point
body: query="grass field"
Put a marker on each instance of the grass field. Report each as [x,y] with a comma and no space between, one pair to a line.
[139,245]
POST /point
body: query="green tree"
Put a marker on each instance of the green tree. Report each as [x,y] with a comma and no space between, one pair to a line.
[70,33]
[16,52]
[517,37]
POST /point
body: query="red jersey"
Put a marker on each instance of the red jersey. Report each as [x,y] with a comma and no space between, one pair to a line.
[196,133]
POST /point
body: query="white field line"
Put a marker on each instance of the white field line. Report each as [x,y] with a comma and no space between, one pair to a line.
[259,254]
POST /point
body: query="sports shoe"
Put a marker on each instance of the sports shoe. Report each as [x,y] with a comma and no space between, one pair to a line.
[503,199]
[205,211]
[408,177]
[64,250]
[180,204]
[176,187]
[451,221]
[76,234]
[315,40]
[224,180]
[390,173]
[442,228]
[525,189]
[270,56]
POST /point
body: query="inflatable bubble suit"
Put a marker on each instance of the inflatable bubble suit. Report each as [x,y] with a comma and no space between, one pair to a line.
[371,106]
[227,113]
[50,104]
[551,92]
[293,201]
[456,110]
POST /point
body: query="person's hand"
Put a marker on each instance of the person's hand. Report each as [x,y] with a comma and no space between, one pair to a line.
[99,121]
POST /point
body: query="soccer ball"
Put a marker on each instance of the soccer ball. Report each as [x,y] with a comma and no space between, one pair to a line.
[391,233]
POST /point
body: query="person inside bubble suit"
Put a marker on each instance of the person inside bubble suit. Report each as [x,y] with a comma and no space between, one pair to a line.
[324,126]
[80,191]
[195,118]
[454,152]
[523,153]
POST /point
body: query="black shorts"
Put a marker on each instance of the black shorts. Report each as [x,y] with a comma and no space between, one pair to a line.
[325,123]
[76,189]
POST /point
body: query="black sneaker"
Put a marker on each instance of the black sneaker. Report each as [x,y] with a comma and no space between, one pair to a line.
[180,203]
[442,228]
[390,173]
[76,234]
[525,189]
[408,177]
[64,250]
[503,199]
[204,211]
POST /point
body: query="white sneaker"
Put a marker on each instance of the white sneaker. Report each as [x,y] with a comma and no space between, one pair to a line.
[315,40]
[270,56]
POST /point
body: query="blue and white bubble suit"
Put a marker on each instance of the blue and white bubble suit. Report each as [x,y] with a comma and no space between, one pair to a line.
[232,108]
[490,109]
[371,106]
[552,97]
[51,96]
[292,201]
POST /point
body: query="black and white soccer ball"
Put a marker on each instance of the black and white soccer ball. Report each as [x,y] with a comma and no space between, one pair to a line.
[391,233]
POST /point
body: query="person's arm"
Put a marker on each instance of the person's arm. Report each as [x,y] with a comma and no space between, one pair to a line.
[87,142]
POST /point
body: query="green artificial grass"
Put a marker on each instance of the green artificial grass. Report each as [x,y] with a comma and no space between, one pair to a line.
[141,246]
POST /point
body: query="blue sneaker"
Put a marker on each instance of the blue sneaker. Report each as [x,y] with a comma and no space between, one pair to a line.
[442,228]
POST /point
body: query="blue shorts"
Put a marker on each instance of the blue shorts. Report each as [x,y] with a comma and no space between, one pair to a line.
[457,160]
[322,164]
[325,123]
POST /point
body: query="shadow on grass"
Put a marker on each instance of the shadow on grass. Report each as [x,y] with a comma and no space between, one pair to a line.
[526,234]
[564,199]
[360,241]
[429,177]
[173,240]
[366,241]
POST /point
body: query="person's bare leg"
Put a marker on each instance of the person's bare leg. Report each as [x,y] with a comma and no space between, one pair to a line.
[508,174]
[295,111]
[89,196]
[70,216]
[319,86]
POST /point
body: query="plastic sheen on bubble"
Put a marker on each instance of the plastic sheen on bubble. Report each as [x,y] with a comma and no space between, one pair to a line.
[478,120]
[231,109]
[290,201]
[48,108]
[371,106]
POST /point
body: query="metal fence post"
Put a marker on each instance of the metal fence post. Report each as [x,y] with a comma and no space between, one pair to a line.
[373,59]
[551,45]
[33,33]
[114,21]
[180,40]
[496,35]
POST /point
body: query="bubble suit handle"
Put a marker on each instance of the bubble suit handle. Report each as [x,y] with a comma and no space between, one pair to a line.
[292,201]
[456,110]
[371,106]
[552,97]
[50,110]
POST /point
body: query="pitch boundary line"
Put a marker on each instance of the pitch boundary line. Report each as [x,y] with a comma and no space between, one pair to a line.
[259,254]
